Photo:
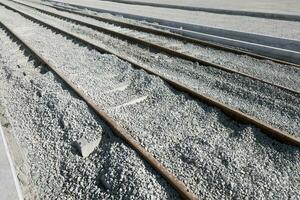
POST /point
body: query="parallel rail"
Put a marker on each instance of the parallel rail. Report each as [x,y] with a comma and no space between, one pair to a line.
[116,128]
[174,36]
[158,47]
[277,48]
[280,135]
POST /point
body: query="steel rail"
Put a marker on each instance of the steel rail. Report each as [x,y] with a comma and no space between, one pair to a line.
[158,47]
[116,128]
[279,135]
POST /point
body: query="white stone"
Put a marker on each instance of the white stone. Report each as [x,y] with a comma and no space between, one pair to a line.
[86,148]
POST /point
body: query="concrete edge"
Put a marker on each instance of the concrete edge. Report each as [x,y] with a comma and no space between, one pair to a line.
[16,181]
[268,15]
[273,52]
[283,43]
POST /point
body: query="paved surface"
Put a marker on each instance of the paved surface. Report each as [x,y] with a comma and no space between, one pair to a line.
[276,6]
[275,28]
[8,189]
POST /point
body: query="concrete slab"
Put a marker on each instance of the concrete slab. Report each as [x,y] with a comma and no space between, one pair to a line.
[268,6]
[253,25]
[220,10]
[9,186]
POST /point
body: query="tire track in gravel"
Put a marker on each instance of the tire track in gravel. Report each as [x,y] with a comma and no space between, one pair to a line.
[265,102]
[215,156]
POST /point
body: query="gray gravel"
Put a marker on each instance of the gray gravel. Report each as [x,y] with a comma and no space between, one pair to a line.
[215,156]
[46,119]
[265,102]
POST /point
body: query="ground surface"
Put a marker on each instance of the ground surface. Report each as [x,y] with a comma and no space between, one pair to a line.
[8,183]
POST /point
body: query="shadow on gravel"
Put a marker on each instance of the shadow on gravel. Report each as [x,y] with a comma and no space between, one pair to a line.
[269,142]
[238,128]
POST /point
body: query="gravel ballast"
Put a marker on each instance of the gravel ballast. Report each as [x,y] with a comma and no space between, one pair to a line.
[270,104]
[46,120]
[215,156]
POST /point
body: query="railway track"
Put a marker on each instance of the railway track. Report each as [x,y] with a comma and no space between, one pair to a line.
[34,84]
[232,112]
[166,50]
[116,128]
[277,48]
[149,29]
[178,86]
